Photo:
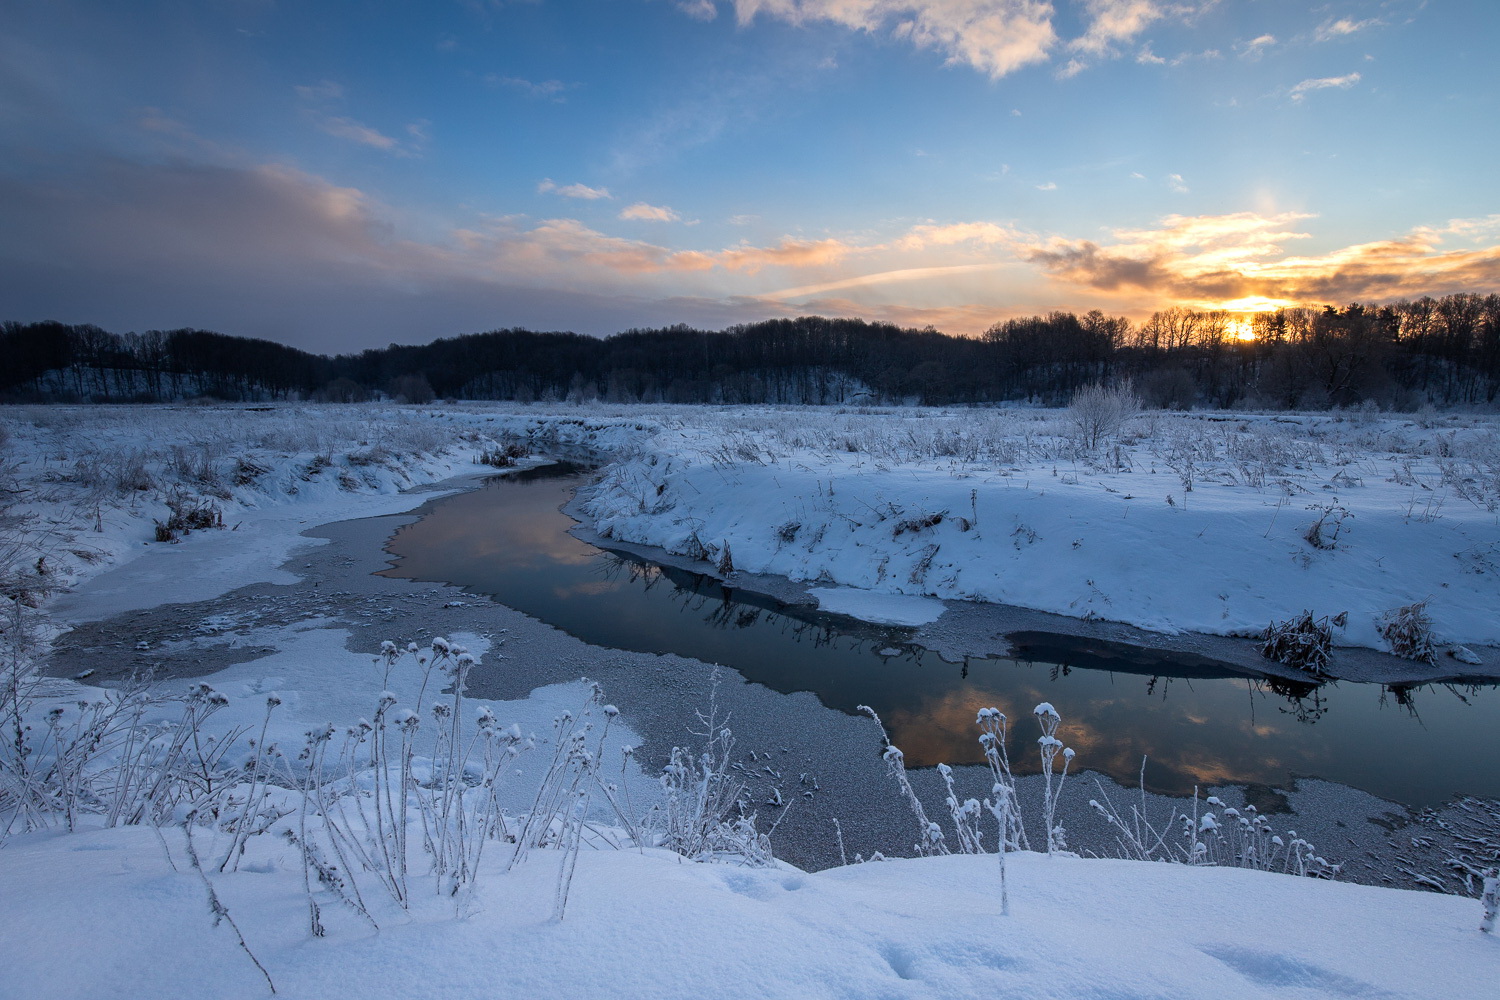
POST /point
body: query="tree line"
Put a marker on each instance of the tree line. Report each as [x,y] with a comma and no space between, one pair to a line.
[1443,351]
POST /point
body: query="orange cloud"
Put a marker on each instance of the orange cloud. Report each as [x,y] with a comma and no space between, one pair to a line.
[1206,260]
[788,253]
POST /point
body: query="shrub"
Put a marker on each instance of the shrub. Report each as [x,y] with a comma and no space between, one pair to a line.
[1098,412]
[1303,642]
[1408,630]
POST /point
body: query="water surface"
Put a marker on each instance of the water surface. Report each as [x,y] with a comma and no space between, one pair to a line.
[1199,722]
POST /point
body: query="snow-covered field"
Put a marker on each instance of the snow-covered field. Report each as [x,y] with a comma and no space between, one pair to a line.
[1179,522]
[101,914]
[1206,522]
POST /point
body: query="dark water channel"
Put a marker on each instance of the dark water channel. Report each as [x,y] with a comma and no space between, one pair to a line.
[1200,723]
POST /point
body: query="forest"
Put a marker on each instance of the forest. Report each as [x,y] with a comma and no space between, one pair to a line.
[1428,351]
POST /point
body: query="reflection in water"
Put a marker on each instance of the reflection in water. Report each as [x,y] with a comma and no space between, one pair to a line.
[1199,722]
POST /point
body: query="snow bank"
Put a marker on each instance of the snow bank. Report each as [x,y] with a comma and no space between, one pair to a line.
[101,914]
[1191,522]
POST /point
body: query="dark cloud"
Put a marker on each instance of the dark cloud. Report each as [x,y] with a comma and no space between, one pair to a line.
[270,252]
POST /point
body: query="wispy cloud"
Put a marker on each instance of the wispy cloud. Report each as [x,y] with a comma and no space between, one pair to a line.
[1256,47]
[323,91]
[347,128]
[643,212]
[1342,27]
[323,100]
[1177,184]
[583,191]
[701,10]
[1301,90]
[551,90]
[995,37]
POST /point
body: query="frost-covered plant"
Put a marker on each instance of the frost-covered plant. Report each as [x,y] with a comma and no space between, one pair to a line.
[1237,838]
[1098,412]
[930,840]
[1408,630]
[1489,901]
[1324,532]
[702,814]
[1303,642]
[1052,750]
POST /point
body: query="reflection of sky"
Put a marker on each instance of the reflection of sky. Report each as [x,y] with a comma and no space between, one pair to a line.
[510,540]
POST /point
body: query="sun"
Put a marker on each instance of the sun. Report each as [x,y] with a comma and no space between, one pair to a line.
[1241,327]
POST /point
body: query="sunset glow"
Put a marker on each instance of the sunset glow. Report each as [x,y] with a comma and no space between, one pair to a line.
[319,176]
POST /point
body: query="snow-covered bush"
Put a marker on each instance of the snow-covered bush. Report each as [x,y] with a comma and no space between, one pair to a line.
[1408,629]
[1098,412]
[1303,642]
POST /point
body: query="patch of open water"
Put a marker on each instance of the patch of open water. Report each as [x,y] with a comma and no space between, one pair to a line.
[1199,722]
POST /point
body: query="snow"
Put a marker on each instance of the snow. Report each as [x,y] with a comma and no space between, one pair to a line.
[873,606]
[1193,523]
[101,914]
[887,514]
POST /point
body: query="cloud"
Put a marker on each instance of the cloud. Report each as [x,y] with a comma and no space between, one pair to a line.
[321,99]
[348,128]
[878,278]
[643,212]
[1343,27]
[1204,261]
[699,10]
[323,91]
[1177,184]
[541,90]
[1301,90]
[582,191]
[1256,47]
[1049,186]
[995,37]
[1113,22]
[926,236]
[788,253]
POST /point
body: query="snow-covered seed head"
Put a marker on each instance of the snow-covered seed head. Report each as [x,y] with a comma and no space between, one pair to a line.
[440,645]
[1045,710]
[466,659]
[388,648]
[611,711]
[386,700]
[272,700]
[411,647]
[1068,753]
[441,710]
[408,720]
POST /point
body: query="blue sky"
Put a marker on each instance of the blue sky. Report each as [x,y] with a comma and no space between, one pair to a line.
[341,175]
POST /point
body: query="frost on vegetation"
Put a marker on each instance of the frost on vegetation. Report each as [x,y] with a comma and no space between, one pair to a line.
[703,814]
[1099,412]
[1303,642]
[1408,630]
[1324,532]
[1221,835]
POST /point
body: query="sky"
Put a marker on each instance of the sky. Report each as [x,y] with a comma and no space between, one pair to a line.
[342,175]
